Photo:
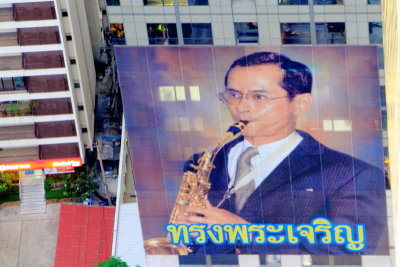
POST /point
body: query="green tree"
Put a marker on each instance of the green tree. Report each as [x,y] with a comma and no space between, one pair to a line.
[81,185]
[112,262]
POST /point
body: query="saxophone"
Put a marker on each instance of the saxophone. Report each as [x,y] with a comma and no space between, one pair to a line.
[192,192]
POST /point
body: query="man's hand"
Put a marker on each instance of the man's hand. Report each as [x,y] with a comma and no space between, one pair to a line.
[209,215]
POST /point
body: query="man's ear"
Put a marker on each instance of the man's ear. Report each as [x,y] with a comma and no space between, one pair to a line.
[302,103]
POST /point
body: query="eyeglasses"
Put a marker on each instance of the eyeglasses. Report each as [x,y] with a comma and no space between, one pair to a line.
[233,97]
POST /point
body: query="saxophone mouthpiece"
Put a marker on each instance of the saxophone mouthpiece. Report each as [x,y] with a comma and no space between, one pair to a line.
[237,127]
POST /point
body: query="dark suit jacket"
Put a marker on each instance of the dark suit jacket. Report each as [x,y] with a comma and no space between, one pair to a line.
[313,181]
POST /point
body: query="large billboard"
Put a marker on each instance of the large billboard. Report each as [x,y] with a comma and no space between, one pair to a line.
[301,171]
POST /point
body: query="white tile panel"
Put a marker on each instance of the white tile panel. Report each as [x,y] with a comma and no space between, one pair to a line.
[216,18]
[288,9]
[244,18]
[349,9]
[153,9]
[219,41]
[362,17]
[229,31]
[201,18]
[351,30]
[129,239]
[169,10]
[334,9]
[334,18]
[360,8]
[170,18]
[375,17]
[154,18]
[125,3]
[199,9]
[227,18]
[374,8]
[351,17]
[289,18]
[139,18]
[362,29]
[304,18]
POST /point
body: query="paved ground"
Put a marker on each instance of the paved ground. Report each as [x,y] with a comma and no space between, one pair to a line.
[28,240]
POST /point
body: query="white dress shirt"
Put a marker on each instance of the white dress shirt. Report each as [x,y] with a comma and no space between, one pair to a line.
[268,152]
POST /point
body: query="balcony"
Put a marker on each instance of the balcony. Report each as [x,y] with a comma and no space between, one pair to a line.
[19,154]
[38,36]
[49,83]
[17,132]
[34,11]
[59,151]
[9,39]
[10,63]
[17,108]
[37,60]
[43,60]
[12,84]
[6,14]
[35,107]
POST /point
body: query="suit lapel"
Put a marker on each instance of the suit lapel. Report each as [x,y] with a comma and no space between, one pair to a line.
[296,163]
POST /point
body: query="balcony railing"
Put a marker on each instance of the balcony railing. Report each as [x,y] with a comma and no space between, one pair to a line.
[34,11]
[17,108]
[35,107]
[8,39]
[6,14]
[11,63]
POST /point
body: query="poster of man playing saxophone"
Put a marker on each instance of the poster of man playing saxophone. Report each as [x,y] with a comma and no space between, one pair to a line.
[257,150]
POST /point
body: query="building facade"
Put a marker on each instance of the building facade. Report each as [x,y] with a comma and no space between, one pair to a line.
[47,83]
[248,22]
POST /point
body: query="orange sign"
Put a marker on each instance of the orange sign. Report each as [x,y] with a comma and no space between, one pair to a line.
[40,164]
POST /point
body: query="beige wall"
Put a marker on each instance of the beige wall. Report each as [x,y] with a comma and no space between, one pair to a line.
[391,43]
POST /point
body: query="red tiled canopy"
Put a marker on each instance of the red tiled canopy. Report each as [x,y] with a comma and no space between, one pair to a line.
[85,235]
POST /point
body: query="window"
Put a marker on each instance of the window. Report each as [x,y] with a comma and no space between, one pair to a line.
[374,2]
[293,2]
[113,3]
[11,84]
[380,58]
[197,33]
[80,107]
[295,33]
[117,34]
[77,85]
[72,61]
[328,2]
[171,2]
[193,2]
[246,32]
[158,2]
[64,13]
[84,130]
[162,34]
[330,33]
[68,37]
[375,32]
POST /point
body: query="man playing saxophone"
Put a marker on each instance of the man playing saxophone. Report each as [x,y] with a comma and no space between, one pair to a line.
[280,174]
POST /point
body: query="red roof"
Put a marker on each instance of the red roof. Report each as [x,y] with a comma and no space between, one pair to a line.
[85,235]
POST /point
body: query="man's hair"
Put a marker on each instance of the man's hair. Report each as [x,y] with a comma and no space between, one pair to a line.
[297,78]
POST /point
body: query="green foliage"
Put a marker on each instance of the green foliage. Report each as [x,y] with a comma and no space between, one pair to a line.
[6,180]
[112,262]
[12,194]
[12,176]
[4,187]
[81,184]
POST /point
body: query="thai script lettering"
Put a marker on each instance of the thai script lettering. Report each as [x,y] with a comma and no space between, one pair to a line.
[321,231]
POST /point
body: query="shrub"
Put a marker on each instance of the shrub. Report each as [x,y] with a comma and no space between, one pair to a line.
[112,262]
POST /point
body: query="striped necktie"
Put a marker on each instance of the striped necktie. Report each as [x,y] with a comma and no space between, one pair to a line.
[244,168]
